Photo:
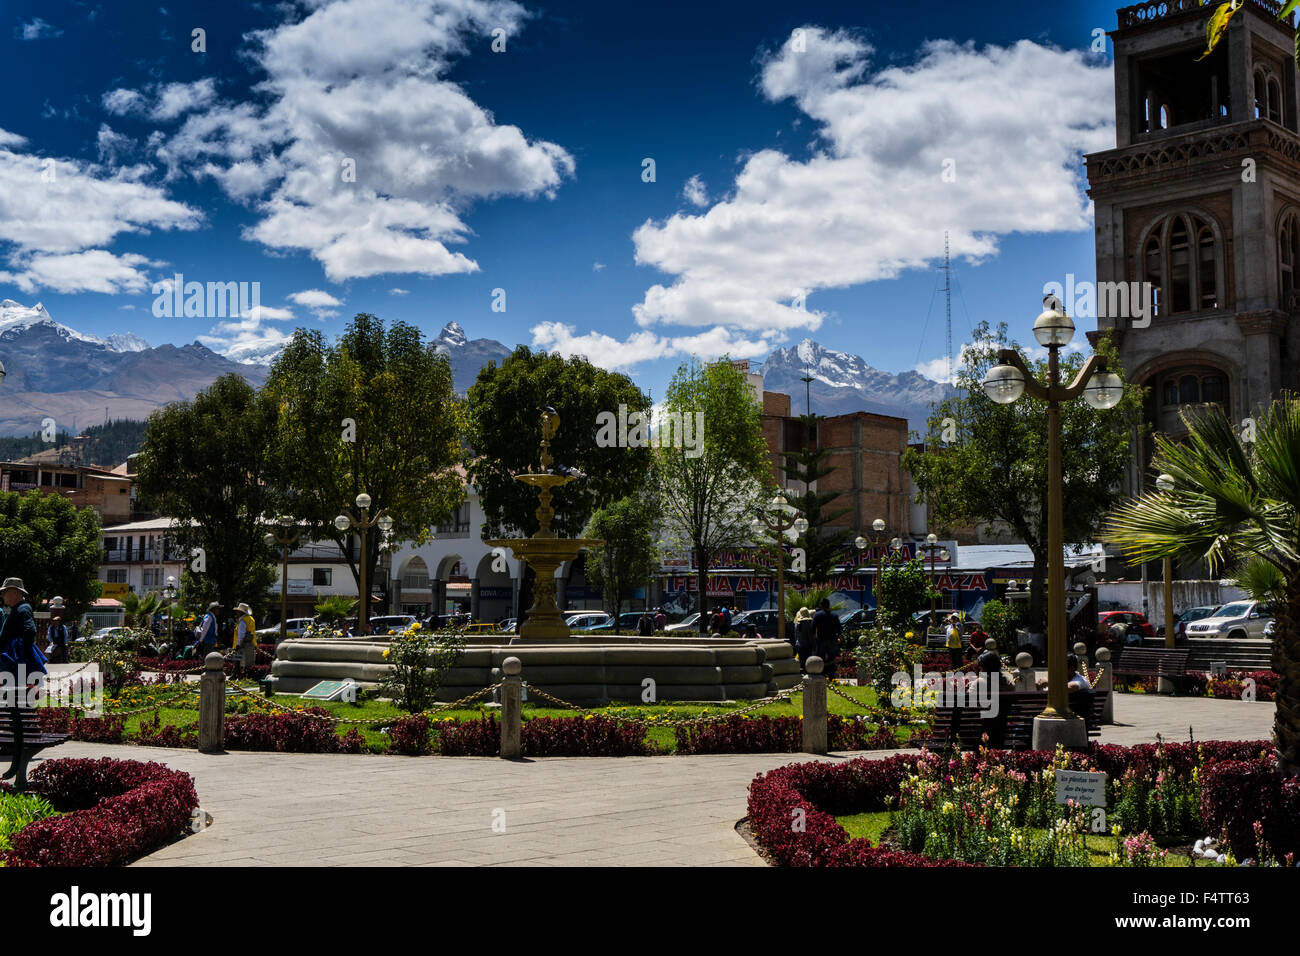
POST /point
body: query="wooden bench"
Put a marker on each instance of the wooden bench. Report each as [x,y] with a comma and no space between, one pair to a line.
[1168,662]
[960,728]
[1026,706]
[34,739]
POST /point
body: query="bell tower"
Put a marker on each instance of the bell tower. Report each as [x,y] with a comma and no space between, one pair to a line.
[1199,204]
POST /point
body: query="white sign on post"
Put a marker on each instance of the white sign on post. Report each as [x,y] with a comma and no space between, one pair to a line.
[1085,789]
[1218,667]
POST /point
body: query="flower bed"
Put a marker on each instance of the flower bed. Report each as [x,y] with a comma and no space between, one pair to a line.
[290,732]
[590,736]
[173,665]
[792,809]
[743,734]
[120,810]
[1232,685]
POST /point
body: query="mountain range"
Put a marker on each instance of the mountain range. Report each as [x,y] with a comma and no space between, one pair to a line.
[77,379]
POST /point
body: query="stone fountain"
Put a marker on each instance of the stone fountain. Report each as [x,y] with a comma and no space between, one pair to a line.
[545,551]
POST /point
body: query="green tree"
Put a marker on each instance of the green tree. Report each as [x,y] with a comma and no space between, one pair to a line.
[624,562]
[202,464]
[999,621]
[1233,501]
[988,463]
[53,546]
[709,493]
[904,589]
[822,545]
[376,413]
[505,434]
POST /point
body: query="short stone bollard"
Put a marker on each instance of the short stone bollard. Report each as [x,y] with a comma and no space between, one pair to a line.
[1106,682]
[212,705]
[1081,652]
[1025,672]
[511,709]
[814,708]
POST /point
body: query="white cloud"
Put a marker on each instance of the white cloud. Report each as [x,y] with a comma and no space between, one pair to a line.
[869,202]
[37,29]
[695,192]
[365,155]
[94,270]
[399,291]
[123,102]
[611,353]
[112,146]
[322,304]
[162,101]
[246,339]
[597,267]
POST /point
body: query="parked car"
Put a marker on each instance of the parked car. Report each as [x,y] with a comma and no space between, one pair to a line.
[765,621]
[582,620]
[690,622]
[507,625]
[441,622]
[1135,624]
[862,617]
[104,633]
[391,622]
[1237,619]
[1191,614]
[627,621]
[292,628]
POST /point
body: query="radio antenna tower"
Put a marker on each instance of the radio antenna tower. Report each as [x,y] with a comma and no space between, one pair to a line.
[947,291]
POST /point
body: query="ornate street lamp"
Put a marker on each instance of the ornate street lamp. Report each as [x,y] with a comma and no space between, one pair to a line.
[934,549]
[169,593]
[1166,484]
[1100,388]
[876,540]
[363,524]
[285,540]
[777,520]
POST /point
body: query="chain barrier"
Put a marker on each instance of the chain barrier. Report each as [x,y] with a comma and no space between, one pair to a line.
[830,685]
[641,721]
[437,708]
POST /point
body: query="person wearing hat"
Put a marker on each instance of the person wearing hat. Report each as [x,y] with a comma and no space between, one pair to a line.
[206,642]
[58,635]
[803,636]
[246,637]
[954,641]
[20,657]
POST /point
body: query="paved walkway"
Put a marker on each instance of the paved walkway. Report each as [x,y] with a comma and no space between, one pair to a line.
[333,810]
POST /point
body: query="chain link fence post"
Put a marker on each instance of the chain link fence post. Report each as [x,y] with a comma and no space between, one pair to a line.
[814,708]
[212,705]
[511,709]
[1105,684]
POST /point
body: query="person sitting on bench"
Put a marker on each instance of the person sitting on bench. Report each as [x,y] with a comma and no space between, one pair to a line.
[20,657]
[1077,681]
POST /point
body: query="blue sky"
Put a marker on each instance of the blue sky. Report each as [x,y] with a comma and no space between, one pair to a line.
[797,148]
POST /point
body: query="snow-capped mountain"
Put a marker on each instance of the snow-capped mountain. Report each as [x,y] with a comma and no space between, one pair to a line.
[53,371]
[467,355]
[844,383]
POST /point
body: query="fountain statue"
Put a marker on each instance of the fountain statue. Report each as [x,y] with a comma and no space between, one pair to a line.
[545,551]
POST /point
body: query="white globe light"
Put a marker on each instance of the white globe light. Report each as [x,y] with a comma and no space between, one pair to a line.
[270,540]
[1104,390]
[779,502]
[1004,384]
[878,525]
[171,580]
[860,543]
[286,521]
[363,500]
[800,525]
[1165,482]
[896,544]
[343,522]
[931,538]
[1053,328]
[944,555]
[385,523]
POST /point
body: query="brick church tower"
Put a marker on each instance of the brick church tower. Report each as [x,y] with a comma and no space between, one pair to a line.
[1201,199]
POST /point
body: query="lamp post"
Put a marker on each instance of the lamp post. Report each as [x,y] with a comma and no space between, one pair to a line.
[876,540]
[2,373]
[169,593]
[1166,484]
[1004,384]
[285,540]
[934,549]
[778,522]
[363,524]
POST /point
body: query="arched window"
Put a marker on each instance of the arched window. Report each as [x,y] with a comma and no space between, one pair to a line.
[1288,256]
[1189,390]
[1274,100]
[1166,120]
[1181,260]
[1214,389]
[1170,396]
[1192,386]
[1261,95]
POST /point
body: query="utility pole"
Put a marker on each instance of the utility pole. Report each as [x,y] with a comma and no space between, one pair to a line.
[947,291]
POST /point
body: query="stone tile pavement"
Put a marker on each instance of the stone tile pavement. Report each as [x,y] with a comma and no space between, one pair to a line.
[339,810]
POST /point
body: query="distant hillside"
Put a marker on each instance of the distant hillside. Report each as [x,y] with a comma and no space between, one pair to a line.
[108,445]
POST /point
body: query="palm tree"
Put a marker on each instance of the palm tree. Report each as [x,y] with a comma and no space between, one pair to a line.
[1234,501]
[137,609]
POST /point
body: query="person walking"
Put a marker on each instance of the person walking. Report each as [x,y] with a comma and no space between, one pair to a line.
[644,626]
[21,658]
[206,641]
[245,638]
[803,636]
[954,641]
[661,619]
[58,635]
[826,635]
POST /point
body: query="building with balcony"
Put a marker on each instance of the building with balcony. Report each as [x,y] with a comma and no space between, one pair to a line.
[60,471]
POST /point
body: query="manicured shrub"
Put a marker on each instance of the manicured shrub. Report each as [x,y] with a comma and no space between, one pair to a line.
[469,738]
[593,736]
[121,810]
[285,731]
[1237,794]
[742,734]
[95,730]
[411,736]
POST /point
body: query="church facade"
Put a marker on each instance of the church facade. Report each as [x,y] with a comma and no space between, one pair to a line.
[1199,204]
